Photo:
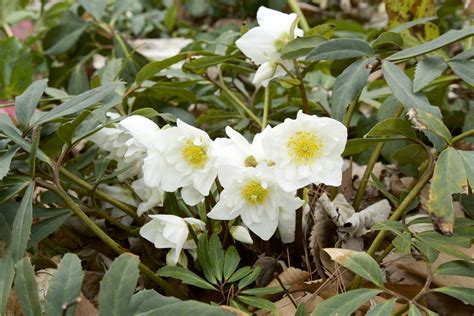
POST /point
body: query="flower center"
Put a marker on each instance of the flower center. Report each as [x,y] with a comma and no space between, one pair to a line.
[304,147]
[253,193]
[194,155]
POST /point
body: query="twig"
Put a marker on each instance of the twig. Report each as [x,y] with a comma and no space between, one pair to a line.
[285,290]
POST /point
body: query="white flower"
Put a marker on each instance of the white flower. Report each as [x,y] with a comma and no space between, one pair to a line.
[150,197]
[170,231]
[306,150]
[183,157]
[241,233]
[254,195]
[122,194]
[128,143]
[263,44]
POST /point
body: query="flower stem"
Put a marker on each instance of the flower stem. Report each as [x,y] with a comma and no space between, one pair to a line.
[294,6]
[56,188]
[462,136]
[350,111]
[129,210]
[370,166]
[266,106]
[304,97]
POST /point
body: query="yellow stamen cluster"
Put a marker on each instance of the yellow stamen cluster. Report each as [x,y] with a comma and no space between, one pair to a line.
[194,155]
[304,147]
[253,193]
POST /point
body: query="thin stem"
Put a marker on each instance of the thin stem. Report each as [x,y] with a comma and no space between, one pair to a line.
[277,277]
[56,188]
[129,210]
[466,134]
[304,97]
[7,29]
[370,166]
[294,6]
[350,111]
[266,106]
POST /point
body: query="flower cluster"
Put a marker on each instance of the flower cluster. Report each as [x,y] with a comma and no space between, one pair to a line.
[259,179]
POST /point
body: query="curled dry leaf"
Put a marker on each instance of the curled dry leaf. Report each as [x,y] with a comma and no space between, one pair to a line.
[291,277]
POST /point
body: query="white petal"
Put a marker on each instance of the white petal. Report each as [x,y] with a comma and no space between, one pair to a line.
[222,211]
[241,233]
[191,196]
[264,73]
[263,229]
[259,45]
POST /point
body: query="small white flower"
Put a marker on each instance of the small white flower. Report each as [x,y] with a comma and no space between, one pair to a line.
[127,143]
[263,44]
[241,233]
[306,150]
[150,197]
[255,196]
[170,231]
[183,157]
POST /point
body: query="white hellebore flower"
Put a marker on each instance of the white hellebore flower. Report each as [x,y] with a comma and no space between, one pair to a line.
[150,197]
[263,44]
[306,150]
[183,157]
[170,231]
[127,143]
[255,196]
[241,233]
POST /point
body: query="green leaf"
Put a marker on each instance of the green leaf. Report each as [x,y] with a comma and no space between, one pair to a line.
[349,85]
[118,285]
[61,38]
[259,303]
[185,276]
[7,271]
[357,145]
[402,88]
[412,154]
[26,288]
[187,308]
[414,311]
[386,40]
[449,177]
[204,260]
[96,7]
[427,121]
[5,161]
[65,287]
[463,294]
[248,279]
[151,69]
[465,55]
[464,69]
[326,30]
[468,160]
[199,65]
[147,300]
[456,267]
[216,254]
[78,103]
[231,262]
[78,81]
[301,46]
[392,126]
[427,70]
[402,243]
[358,262]
[41,230]
[22,225]
[26,103]
[411,24]
[239,274]
[445,39]
[263,290]
[345,303]
[382,309]
[67,130]
[341,48]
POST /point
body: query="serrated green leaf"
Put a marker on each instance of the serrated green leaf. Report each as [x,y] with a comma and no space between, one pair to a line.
[464,69]
[147,300]
[402,88]
[78,103]
[463,294]
[239,274]
[357,145]
[151,69]
[78,81]
[231,262]
[204,260]
[301,46]
[382,309]
[248,279]
[392,126]
[5,161]
[402,243]
[65,287]
[341,48]
[216,254]
[67,130]
[345,303]
[259,303]
[358,262]
[348,86]
[427,121]
[185,276]
[427,70]
[26,288]
[25,104]
[449,177]
[456,267]
[118,285]
[387,39]
[41,230]
[7,271]
[445,39]
[22,225]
